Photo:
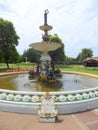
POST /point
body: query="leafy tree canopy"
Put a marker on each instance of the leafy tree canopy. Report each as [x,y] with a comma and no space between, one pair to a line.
[8,42]
[58,55]
[31,55]
[86,52]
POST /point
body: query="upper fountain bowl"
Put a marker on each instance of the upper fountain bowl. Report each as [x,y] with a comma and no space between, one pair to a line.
[45,27]
[45,46]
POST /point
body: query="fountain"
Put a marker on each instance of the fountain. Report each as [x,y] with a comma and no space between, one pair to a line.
[70,98]
[45,71]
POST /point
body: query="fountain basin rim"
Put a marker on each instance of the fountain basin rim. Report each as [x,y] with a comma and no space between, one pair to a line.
[81,73]
[13,73]
[53,93]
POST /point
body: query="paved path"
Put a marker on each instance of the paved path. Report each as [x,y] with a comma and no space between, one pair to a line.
[81,121]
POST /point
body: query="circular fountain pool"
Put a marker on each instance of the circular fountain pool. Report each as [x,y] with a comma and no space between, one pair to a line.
[73,93]
[68,82]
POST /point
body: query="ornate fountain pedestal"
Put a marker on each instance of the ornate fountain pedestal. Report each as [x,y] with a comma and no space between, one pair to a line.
[45,71]
[47,110]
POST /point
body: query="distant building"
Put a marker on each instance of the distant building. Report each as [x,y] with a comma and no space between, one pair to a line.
[91,62]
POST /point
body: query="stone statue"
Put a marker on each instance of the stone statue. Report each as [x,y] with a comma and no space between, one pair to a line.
[45,16]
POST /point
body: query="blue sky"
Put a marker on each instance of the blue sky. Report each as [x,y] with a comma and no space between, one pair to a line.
[75,21]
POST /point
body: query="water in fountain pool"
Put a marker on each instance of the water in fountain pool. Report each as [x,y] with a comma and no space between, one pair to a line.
[68,82]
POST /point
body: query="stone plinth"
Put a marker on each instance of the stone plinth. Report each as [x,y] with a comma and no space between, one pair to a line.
[47,120]
[47,110]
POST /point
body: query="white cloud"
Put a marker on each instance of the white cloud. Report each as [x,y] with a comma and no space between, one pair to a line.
[75,21]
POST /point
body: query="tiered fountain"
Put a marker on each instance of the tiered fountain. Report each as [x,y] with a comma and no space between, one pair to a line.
[45,71]
[70,99]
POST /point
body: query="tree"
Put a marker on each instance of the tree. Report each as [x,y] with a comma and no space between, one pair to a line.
[32,55]
[57,55]
[70,60]
[8,41]
[86,52]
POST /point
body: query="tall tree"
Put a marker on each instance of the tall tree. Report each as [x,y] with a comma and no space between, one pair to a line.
[58,55]
[8,41]
[86,52]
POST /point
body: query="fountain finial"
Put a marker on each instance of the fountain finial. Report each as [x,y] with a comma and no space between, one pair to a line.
[45,27]
[45,16]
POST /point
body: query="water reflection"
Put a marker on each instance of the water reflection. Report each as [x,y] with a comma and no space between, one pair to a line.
[68,82]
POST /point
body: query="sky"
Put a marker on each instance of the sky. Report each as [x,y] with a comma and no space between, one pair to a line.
[75,22]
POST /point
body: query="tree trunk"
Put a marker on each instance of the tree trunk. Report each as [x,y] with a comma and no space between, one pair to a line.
[7,65]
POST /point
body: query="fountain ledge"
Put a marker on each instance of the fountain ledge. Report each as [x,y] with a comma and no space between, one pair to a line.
[67,102]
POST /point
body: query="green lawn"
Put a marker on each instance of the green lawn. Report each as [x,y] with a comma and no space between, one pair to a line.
[80,68]
[74,68]
[16,66]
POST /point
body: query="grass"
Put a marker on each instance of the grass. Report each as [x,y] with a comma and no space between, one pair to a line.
[74,68]
[18,66]
[80,68]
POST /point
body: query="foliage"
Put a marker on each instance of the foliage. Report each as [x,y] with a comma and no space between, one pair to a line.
[8,42]
[31,55]
[69,59]
[57,55]
[34,55]
[86,52]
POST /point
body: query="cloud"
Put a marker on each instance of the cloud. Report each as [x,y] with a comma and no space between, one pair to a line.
[75,21]
[4,7]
